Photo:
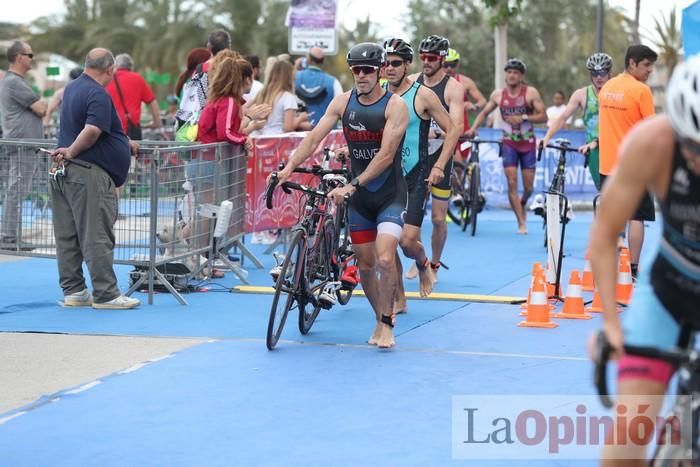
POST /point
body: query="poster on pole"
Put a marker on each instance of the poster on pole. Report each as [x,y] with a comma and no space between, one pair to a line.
[312,23]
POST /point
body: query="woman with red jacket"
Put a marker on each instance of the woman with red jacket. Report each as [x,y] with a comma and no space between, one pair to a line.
[220,121]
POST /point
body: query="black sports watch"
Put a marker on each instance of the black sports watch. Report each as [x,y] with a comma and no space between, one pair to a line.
[355,183]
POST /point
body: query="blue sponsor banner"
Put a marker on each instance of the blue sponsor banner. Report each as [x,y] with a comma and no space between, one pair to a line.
[579,184]
[691,29]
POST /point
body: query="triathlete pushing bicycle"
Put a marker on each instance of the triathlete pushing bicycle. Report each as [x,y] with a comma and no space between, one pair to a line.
[374,122]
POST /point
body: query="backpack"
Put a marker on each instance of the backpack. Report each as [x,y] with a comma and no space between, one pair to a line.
[194,97]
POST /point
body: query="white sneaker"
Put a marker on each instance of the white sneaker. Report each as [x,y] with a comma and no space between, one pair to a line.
[277,270]
[122,302]
[83,298]
[327,296]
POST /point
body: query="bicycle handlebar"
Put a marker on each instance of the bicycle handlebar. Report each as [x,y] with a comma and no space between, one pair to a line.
[288,187]
[565,147]
[603,351]
[477,141]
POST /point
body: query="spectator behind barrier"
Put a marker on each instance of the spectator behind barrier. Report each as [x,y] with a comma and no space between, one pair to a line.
[279,94]
[21,111]
[254,61]
[128,91]
[315,87]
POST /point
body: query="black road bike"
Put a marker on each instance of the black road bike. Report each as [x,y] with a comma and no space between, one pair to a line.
[558,182]
[466,200]
[318,254]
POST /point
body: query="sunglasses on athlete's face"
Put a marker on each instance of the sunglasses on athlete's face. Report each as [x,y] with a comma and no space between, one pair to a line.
[429,57]
[364,69]
[28,55]
[599,73]
[395,63]
[449,65]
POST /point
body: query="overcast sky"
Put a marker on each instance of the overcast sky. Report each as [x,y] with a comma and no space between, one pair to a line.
[387,13]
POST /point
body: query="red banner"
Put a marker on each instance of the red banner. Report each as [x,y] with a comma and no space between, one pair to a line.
[267,153]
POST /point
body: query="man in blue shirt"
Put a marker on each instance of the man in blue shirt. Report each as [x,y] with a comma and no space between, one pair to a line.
[315,87]
[96,155]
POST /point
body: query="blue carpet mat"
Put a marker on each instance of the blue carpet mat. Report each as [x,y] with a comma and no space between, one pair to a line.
[230,403]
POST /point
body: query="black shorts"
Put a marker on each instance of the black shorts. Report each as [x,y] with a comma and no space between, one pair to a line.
[442,190]
[645,210]
[417,195]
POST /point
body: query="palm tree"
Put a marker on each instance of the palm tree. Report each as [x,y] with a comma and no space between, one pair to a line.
[668,41]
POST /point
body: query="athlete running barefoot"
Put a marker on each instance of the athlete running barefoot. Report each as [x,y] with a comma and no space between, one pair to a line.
[374,122]
[521,106]
[423,105]
[433,50]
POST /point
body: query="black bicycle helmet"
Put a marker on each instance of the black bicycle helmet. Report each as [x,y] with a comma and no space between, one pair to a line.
[515,64]
[599,62]
[399,47]
[366,53]
[435,45]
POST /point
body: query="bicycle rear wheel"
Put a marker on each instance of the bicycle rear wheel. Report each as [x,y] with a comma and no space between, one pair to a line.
[317,275]
[474,196]
[288,290]
[457,204]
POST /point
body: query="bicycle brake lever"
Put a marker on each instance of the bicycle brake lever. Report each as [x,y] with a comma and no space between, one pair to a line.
[540,148]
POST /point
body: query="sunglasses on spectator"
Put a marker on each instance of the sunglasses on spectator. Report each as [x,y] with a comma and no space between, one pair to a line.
[28,55]
[599,73]
[449,65]
[429,57]
[364,69]
[395,63]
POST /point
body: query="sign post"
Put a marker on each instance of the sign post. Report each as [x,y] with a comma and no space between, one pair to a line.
[312,23]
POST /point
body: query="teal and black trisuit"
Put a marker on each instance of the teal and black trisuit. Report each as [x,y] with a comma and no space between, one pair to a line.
[415,159]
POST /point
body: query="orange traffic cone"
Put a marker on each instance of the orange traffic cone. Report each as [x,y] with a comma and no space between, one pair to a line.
[536,270]
[573,303]
[623,289]
[587,283]
[597,305]
[538,311]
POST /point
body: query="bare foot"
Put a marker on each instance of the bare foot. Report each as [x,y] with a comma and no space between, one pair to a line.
[386,336]
[400,306]
[374,338]
[522,229]
[428,278]
[412,272]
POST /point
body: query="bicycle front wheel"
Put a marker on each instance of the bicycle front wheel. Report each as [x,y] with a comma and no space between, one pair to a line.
[288,293]
[474,196]
[316,277]
[457,204]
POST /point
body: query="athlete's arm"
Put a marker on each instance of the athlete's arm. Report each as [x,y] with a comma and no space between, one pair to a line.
[454,98]
[578,99]
[396,114]
[539,114]
[434,109]
[474,93]
[644,161]
[490,106]
[315,136]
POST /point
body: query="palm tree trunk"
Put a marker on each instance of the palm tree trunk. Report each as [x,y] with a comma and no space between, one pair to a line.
[637,7]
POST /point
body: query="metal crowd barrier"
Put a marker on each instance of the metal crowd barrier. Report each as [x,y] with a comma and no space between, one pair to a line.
[168,209]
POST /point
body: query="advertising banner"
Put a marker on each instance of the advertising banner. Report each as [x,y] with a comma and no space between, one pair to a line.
[267,154]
